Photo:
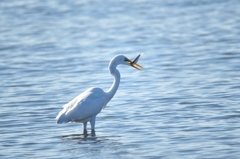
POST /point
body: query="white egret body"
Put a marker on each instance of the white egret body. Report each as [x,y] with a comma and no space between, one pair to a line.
[88,104]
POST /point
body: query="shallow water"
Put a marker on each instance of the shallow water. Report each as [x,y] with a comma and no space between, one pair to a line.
[184,103]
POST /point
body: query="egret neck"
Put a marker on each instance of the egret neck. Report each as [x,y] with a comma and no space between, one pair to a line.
[115,73]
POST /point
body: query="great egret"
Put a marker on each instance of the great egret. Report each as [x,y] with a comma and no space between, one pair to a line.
[88,104]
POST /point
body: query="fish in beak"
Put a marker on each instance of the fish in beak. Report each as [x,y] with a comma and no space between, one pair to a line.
[134,63]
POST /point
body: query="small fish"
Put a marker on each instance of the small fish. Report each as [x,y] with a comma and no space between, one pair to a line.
[134,63]
[136,59]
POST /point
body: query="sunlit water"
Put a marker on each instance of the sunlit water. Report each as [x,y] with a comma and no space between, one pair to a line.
[184,104]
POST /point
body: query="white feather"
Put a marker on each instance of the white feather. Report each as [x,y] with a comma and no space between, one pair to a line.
[83,107]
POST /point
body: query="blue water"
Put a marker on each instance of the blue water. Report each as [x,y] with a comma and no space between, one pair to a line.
[184,104]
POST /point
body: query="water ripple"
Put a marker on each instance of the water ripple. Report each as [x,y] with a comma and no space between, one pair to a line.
[184,103]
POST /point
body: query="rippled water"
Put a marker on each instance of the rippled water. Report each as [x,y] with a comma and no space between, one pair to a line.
[184,104]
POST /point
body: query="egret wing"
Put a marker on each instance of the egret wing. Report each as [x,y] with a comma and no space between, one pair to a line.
[83,107]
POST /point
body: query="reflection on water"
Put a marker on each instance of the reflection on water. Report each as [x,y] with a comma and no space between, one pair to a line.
[87,139]
[82,138]
[92,146]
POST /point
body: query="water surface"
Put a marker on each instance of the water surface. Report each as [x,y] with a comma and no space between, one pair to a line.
[184,103]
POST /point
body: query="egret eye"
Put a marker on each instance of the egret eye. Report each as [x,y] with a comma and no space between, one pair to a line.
[127,60]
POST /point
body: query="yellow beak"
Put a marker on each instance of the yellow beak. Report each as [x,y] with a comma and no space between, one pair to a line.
[137,66]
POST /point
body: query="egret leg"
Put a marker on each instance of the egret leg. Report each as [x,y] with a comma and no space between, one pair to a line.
[85,128]
[92,122]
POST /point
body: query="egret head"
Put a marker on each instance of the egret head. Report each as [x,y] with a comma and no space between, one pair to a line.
[120,59]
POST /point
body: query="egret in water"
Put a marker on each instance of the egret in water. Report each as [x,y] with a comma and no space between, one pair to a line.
[85,107]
